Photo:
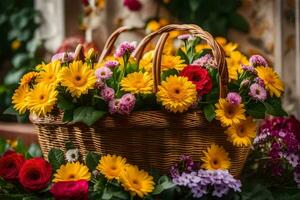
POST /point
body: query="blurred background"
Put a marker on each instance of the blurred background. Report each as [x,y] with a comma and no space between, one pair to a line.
[33,30]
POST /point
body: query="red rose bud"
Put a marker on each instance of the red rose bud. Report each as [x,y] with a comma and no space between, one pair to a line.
[133,5]
[35,174]
[70,190]
[10,165]
[198,76]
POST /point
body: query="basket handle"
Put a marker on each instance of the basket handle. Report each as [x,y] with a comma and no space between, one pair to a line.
[194,30]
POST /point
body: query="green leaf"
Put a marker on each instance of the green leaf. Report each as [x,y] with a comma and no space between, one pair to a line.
[209,112]
[10,111]
[273,107]
[34,150]
[87,115]
[164,183]
[65,104]
[168,73]
[69,145]
[107,194]
[3,146]
[183,56]
[92,160]
[256,109]
[56,158]
[238,22]
[20,147]
[68,116]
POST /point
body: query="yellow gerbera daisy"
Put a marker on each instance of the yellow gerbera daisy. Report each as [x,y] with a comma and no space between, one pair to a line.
[78,78]
[152,26]
[234,63]
[112,166]
[230,47]
[137,182]
[215,158]
[177,94]
[146,61]
[222,41]
[42,99]
[28,78]
[172,62]
[72,171]
[241,134]
[19,99]
[137,82]
[50,73]
[229,113]
[271,80]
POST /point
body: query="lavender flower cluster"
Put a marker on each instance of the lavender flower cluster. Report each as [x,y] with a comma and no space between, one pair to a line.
[125,104]
[200,182]
[187,174]
[279,141]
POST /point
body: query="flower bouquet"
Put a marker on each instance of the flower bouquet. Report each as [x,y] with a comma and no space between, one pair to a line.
[144,104]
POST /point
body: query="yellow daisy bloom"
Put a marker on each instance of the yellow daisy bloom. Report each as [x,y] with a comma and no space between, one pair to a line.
[72,171]
[28,78]
[230,47]
[137,82]
[215,158]
[137,182]
[177,94]
[112,166]
[152,26]
[42,99]
[172,62]
[271,80]
[50,73]
[234,63]
[229,113]
[146,61]
[78,78]
[242,134]
[222,41]
[19,99]
[201,46]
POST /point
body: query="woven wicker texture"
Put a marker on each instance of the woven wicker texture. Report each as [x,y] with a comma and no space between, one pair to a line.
[149,139]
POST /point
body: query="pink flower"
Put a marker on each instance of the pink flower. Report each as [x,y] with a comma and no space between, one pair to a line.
[70,190]
[107,93]
[111,64]
[127,103]
[99,84]
[185,37]
[234,98]
[257,92]
[133,5]
[257,60]
[123,48]
[63,57]
[103,73]
[245,83]
[114,106]
[248,68]
[205,61]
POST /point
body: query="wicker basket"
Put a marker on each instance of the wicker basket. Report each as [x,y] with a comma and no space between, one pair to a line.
[149,139]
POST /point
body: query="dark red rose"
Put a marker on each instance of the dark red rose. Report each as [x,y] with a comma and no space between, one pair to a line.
[295,126]
[35,174]
[199,76]
[133,5]
[70,190]
[10,165]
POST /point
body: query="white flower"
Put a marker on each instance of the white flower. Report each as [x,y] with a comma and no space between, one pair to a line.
[72,155]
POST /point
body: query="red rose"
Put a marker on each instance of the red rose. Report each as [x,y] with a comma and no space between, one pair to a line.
[10,165]
[70,190]
[35,174]
[133,5]
[199,76]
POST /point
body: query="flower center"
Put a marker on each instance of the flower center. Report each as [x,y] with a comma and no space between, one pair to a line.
[230,112]
[215,164]
[196,78]
[257,92]
[177,91]
[241,131]
[42,97]
[136,183]
[34,175]
[113,168]
[71,176]
[10,165]
[78,78]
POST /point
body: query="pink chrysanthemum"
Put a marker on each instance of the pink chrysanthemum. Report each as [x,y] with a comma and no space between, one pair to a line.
[205,61]
[257,60]
[107,93]
[124,47]
[185,37]
[234,98]
[257,92]
[103,73]
[114,106]
[63,57]
[99,84]
[111,64]
[127,103]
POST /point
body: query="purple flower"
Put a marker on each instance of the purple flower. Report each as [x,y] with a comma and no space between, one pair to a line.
[293,159]
[111,64]
[103,73]
[257,60]
[248,68]
[127,103]
[257,92]
[63,57]
[99,84]
[114,106]
[234,98]
[107,93]
[297,176]
[123,48]
[259,81]
[185,37]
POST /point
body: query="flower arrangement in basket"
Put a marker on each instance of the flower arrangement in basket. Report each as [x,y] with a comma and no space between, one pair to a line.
[153,107]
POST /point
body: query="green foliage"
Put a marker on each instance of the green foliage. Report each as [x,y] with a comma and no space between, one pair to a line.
[164,183]
[92,160]
[215,16]
[209,112]
[56,158]
[18,47]
[87,115]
